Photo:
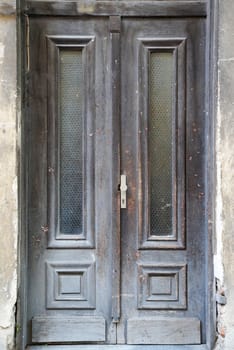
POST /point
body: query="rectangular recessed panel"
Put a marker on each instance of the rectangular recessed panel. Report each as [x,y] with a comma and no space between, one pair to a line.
[162,287]
[160,142]
[164,331]
[70,285]
[71,145]
[72,329]
[162,118]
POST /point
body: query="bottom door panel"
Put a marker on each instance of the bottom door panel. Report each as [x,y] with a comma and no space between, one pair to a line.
[163,331]
[73,329]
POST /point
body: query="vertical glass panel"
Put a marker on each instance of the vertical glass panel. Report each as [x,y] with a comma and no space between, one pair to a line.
[160,142]
[71,145]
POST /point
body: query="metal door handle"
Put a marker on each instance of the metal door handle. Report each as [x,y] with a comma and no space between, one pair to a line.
[123,191]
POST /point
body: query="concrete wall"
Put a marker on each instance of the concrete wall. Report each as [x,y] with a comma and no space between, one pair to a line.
[223,260]
[8,174]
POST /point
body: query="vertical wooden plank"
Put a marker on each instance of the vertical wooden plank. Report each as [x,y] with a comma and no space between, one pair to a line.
[115,24]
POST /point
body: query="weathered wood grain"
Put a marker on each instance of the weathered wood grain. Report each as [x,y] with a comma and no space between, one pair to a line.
[42,101]
[118,347]
[121,8]
[164,331]
[73,329]
[115,28]
[116,91]
[132,162]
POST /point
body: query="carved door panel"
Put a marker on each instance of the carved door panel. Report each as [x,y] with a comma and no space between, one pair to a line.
[163,228]
[70,188]
[110,96]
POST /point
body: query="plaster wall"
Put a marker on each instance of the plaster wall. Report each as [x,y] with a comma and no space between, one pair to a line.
[8,174]
[225,171]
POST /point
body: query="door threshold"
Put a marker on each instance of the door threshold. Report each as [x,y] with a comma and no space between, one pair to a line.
[117,347]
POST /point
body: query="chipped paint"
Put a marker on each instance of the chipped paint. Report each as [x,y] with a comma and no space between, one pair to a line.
[86,7]
[2,50]
[218,262]
[7,8]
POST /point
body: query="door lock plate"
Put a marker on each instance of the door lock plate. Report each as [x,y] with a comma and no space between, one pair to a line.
[123,191]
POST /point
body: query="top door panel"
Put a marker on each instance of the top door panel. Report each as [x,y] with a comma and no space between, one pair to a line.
[71,67]
[162,78]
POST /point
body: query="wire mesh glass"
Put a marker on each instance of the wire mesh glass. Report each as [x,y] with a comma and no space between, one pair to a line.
[71,145]
[160,142]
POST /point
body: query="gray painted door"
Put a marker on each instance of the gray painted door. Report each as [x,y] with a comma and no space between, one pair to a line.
[70,184]
[110,96]
[163,236]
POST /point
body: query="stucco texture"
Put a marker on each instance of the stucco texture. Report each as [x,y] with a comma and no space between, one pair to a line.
[225,159]
[8,181]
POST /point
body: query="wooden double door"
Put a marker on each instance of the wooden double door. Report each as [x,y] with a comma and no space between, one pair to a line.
[116,259]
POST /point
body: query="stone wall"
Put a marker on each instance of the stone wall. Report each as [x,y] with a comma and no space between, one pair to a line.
[8,174]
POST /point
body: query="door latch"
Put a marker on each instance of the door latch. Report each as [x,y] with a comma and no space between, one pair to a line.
[123,191]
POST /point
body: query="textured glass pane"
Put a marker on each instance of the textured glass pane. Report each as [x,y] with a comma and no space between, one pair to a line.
[160,142]
[71,172]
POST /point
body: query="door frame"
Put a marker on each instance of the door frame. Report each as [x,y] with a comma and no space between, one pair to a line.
[166,8]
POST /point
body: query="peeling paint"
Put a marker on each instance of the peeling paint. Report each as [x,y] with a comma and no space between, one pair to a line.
[218,262]
[2,50]
[225,176]
[87,6]
[7,7]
